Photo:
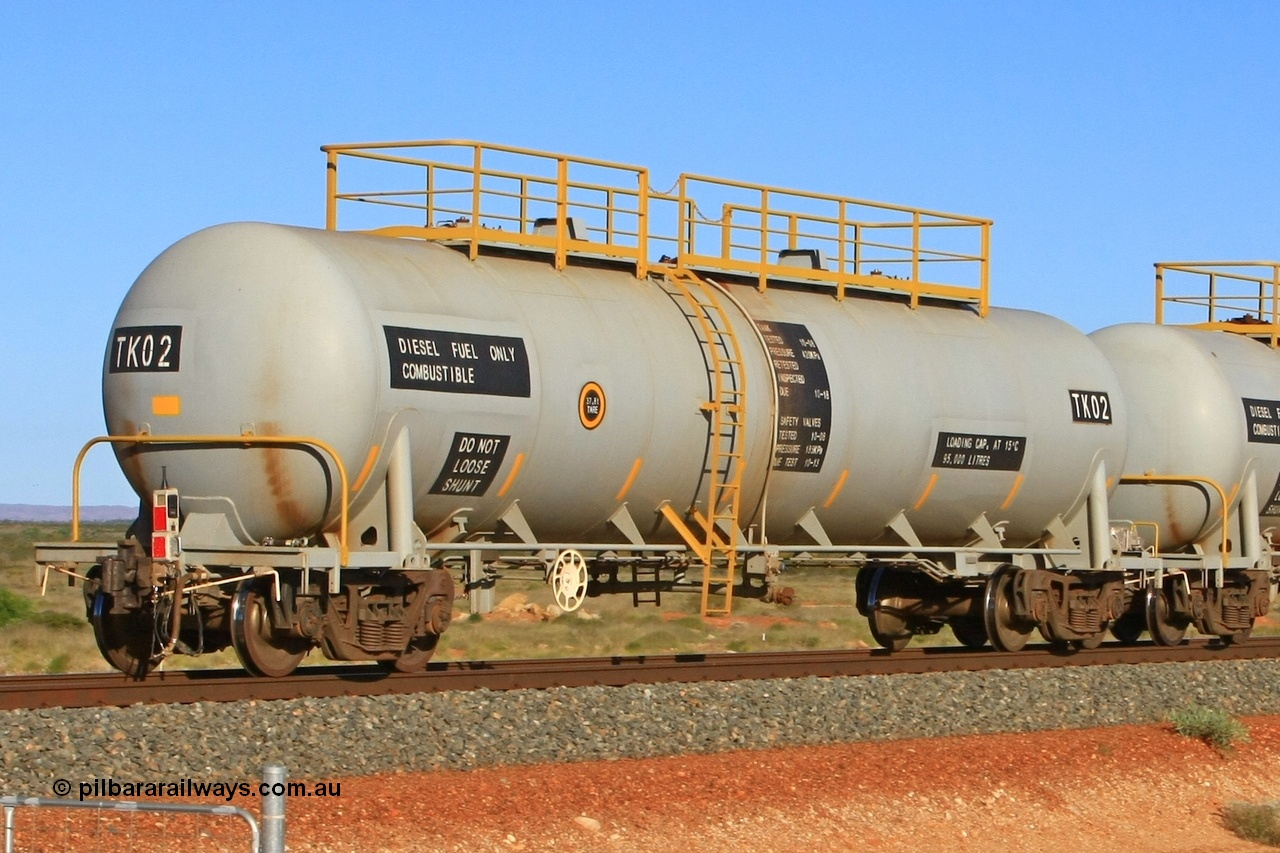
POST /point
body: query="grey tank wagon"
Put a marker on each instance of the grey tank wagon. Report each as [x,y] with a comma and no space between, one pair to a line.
[332,431]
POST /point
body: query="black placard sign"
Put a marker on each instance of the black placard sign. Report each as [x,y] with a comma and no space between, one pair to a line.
[1090,407]
[1273,502]
[457,362]
[472,464]
[145,349]
[804,397]
[1262,420]
[979,452]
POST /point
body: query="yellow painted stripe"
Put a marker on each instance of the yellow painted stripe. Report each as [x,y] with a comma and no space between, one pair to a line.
[831,498]
[367,469]
[1013,493]
[631,478]
[511,478]
[928,490]
[166,405]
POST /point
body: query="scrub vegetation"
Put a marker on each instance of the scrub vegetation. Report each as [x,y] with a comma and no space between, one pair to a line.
[1214,726]
[46,633]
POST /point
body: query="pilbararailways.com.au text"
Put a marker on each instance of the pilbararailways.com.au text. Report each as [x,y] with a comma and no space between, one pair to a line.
[97,789]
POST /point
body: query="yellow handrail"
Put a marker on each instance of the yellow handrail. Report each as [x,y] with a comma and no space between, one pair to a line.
[1155,533]
[1184,479]
[492,201]
[249,440]
[1259,306]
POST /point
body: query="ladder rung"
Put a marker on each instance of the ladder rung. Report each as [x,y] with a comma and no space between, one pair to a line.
[701,303]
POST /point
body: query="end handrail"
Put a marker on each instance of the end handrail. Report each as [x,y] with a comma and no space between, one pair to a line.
[246,440]
[1185,479]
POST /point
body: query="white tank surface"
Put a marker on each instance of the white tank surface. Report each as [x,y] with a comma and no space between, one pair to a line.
[943,415]
[491,365]
[350,338]
[1201,404]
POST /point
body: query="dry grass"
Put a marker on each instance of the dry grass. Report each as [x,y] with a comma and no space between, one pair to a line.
[823,617]
[1258,822]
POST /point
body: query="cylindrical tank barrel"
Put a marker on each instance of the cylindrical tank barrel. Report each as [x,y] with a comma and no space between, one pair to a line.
[576,391]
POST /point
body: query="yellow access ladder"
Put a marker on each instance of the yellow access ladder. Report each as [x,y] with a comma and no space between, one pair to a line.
[718,547]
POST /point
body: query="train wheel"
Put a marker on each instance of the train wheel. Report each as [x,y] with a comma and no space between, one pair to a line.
[971,633]
[124,639]
[1006,632]
[1128,628]
[1166,629]
[259,650]
[568,580]
[889,629]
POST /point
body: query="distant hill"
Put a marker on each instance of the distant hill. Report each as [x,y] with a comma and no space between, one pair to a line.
[42,512]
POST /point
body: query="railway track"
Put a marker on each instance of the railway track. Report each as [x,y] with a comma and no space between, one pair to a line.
[185,686]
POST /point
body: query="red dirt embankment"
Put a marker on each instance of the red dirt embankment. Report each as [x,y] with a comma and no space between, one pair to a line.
[1132,788]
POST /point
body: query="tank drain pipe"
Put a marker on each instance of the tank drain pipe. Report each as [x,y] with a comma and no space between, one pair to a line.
[400,498]
[1099,520]
[1250,527]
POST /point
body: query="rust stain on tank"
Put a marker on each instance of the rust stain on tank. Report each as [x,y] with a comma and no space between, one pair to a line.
[287,506]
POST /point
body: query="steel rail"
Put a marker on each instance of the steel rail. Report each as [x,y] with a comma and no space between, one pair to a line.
[185,686]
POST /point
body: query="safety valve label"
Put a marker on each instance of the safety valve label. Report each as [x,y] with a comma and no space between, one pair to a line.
[457,362]
[804,397]
[473,462]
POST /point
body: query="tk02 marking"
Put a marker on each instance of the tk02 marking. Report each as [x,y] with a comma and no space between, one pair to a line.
[1090,407]
[145,349]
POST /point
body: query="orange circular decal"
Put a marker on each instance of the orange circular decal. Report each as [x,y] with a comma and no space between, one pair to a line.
[591,405]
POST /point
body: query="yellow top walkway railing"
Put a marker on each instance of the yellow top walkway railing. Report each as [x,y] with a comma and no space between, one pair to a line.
[477,194]
[842,242]
[1248,289]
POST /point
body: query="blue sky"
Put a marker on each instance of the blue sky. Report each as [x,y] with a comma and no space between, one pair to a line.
[1099,136]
